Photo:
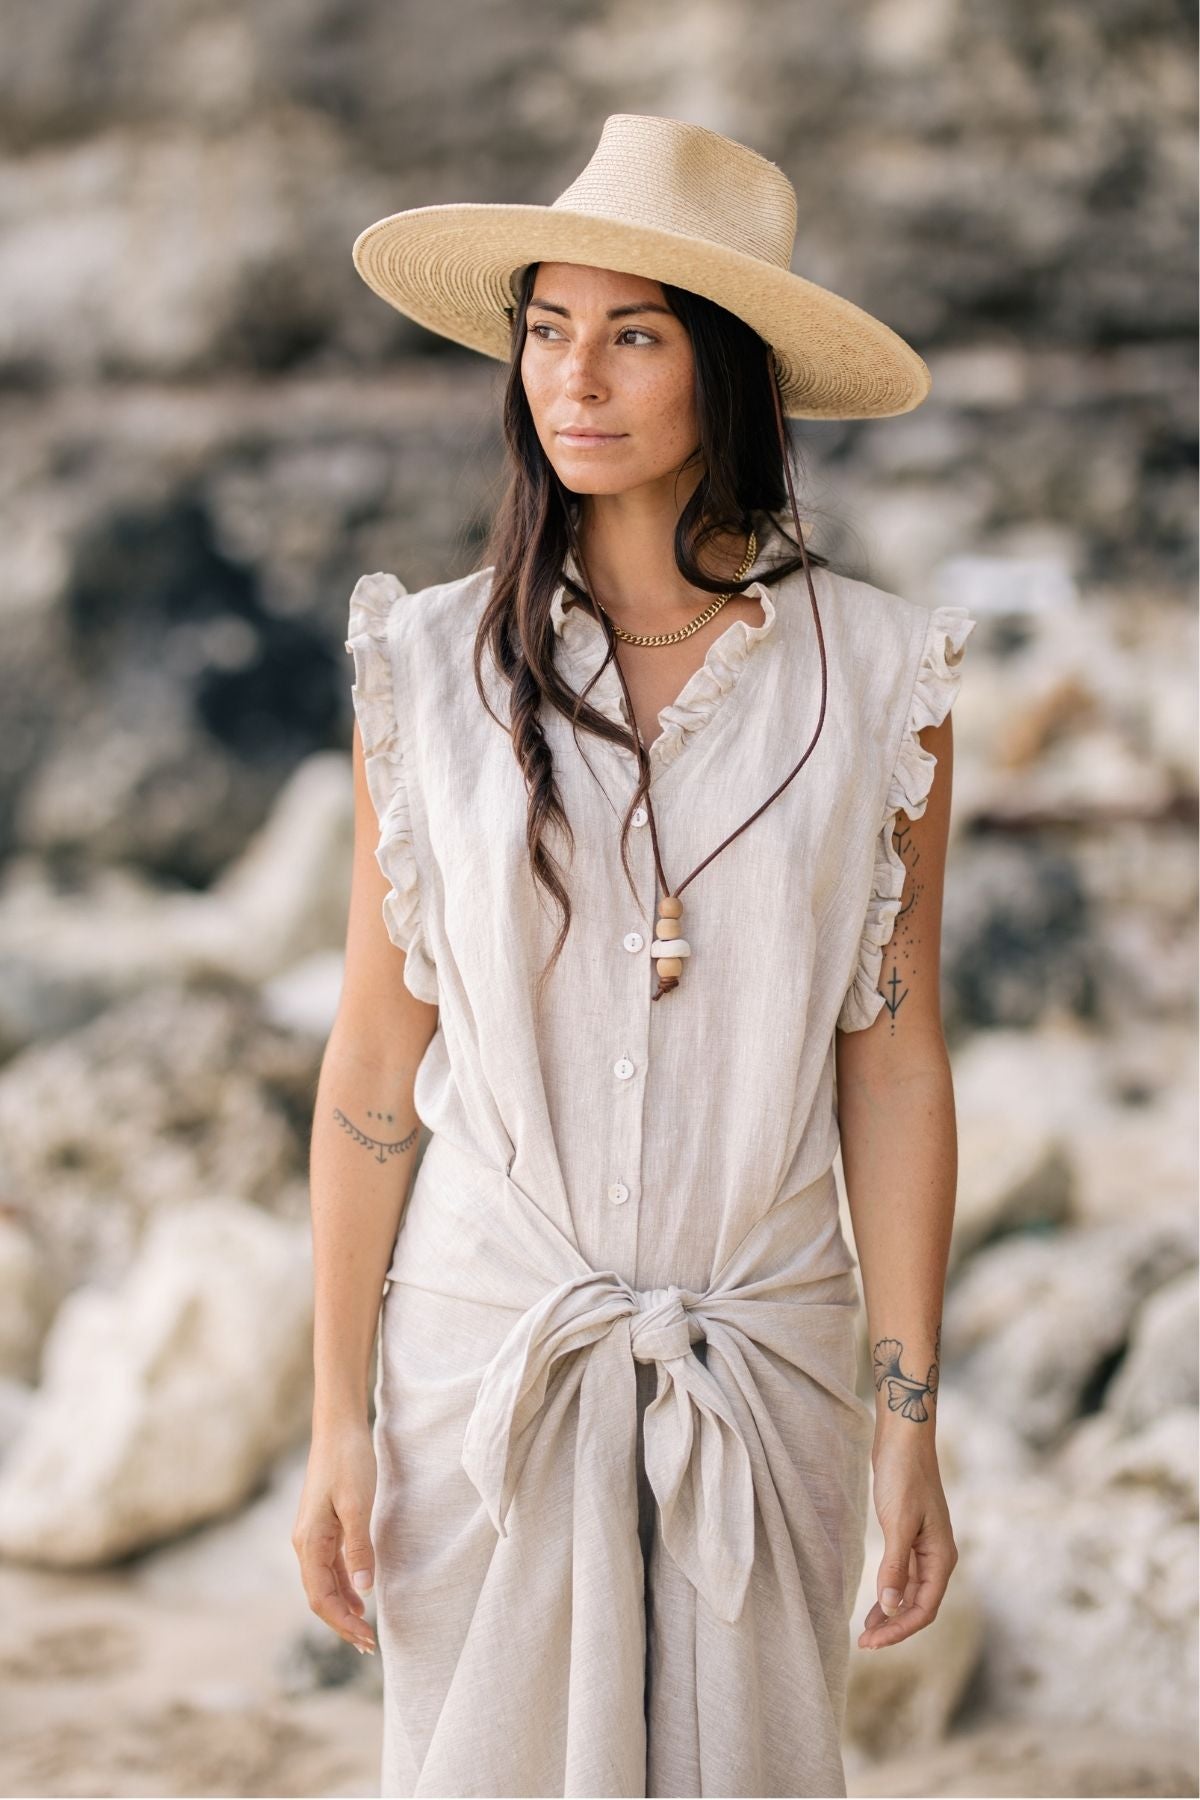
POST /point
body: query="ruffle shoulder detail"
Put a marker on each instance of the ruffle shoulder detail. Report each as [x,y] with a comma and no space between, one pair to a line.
[374,695]
[938,679]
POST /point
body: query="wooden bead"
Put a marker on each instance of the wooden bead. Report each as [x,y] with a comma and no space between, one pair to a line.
[670,906]
[670,947]
[669,928]
[670,965]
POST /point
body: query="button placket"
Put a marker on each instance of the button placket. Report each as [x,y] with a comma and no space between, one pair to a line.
[628,1070]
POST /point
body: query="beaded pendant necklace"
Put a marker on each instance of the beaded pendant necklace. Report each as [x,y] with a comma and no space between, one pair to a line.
[670,948]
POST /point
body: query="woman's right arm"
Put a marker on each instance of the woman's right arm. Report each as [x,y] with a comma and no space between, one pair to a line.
[363,1153]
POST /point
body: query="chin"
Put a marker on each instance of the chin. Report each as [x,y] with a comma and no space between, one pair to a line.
[572,483]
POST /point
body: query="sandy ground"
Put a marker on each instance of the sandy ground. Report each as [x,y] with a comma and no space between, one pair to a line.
[1037,1762]
[109,1691]
[199,1670]
[112,1692]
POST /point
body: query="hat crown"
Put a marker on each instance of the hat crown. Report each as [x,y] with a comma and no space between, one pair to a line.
[673,176]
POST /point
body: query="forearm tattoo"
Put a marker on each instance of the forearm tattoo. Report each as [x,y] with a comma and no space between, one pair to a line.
[905,1393]
[382,1146]
[905,942]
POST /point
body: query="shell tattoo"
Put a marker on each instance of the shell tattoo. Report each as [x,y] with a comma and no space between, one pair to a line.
[905,1394]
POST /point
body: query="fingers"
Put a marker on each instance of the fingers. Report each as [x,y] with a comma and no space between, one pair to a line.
[921,1578]
[328,1585]
[359,1553]
[328,1601]
[346,1588]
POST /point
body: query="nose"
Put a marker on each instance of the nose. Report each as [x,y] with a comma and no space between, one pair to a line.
[582,379]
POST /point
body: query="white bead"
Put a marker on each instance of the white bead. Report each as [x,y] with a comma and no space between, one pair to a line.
[670,947]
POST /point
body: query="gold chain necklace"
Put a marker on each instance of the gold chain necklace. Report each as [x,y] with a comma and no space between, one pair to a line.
[669,948]
[653,640]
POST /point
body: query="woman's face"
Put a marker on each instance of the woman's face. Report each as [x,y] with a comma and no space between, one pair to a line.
[629,377]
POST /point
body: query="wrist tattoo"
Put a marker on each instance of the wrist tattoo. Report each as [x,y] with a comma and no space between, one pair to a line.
[905,1393]
[383,1147]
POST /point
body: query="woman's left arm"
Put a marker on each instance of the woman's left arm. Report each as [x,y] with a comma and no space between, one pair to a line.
[900,1159]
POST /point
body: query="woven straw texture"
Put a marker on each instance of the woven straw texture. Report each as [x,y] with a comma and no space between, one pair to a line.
[674,202]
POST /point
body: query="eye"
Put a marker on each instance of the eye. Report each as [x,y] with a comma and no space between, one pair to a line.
[637,330]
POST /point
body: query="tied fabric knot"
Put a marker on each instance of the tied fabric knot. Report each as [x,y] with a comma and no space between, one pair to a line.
[697,1463]
[660,1330]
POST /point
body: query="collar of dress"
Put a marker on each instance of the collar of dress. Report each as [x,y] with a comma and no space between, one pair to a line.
[582,646]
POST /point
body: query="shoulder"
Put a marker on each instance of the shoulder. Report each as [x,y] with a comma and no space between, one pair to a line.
[436,617]
[873,616]
[896,644]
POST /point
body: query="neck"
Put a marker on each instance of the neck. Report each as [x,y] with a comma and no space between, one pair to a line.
[629,565]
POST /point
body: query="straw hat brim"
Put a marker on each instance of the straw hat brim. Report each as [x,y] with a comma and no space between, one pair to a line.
[451,268]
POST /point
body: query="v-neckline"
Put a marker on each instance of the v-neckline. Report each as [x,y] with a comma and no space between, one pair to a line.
[582,646]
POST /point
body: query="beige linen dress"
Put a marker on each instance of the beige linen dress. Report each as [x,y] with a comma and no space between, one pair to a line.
[623,1468]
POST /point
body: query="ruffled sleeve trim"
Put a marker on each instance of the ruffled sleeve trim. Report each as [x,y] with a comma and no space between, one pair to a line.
[374,696]
[939,676]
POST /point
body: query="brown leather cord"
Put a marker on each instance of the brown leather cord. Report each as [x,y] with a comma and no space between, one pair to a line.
[667,982]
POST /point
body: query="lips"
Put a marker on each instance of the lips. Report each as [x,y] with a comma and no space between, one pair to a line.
[584,431]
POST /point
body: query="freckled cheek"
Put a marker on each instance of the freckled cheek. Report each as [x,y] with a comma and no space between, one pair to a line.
[666,413]
[540,397]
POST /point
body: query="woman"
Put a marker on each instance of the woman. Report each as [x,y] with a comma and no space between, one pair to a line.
[614,1503]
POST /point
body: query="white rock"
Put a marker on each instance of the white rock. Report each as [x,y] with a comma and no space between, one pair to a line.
[26,1303]
[285,898]
[16,1402]
[305,997]
[902,1698]
[1162,1456]
[1089,1601]
[163,1401]
[1159,1371]
[178,1092]
[1029,1321]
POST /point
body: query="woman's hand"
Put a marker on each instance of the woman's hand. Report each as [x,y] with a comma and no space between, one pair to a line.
[332,1535]
[919,1549]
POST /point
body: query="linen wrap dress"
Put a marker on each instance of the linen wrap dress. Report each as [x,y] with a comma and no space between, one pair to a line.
[623,1467]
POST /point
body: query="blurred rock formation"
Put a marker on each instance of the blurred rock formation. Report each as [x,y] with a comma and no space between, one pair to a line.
[211,428]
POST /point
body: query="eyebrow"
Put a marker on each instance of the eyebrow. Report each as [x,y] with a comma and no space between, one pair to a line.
[614,312]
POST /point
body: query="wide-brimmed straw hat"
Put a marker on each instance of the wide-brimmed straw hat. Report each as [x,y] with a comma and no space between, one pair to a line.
[676,203]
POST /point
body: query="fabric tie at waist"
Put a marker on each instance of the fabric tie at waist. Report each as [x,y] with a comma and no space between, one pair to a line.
[471,1232]
[696,1459]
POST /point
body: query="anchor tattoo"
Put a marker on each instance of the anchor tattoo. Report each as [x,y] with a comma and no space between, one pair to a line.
[899,990]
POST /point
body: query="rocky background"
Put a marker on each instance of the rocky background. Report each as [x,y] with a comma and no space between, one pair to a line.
[210,429]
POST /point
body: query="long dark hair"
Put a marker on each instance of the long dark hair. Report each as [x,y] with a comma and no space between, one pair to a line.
[741,451]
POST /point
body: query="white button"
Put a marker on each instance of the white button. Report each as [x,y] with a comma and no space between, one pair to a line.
[618,1193]
[633,940]
[624,1068]
[640,815]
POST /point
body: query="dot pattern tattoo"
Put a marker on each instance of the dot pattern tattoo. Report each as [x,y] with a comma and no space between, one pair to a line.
[383,1147]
